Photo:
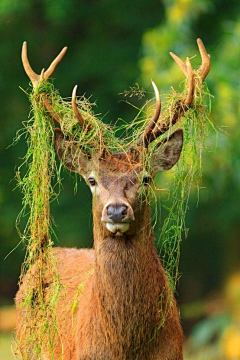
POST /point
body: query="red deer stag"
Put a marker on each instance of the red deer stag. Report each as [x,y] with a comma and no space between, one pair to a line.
[126,309]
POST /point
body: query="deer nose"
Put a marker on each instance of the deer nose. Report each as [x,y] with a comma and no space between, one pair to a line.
[117,213]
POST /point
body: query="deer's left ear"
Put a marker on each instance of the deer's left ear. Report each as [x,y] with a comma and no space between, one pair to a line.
[166,156]
[70,154]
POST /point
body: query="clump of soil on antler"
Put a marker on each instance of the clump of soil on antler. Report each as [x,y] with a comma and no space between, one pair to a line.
[41,184]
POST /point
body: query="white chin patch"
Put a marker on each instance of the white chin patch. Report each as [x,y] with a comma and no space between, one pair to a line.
[117,228]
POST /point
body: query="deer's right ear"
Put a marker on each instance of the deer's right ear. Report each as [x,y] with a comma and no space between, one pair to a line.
[166,156]
[70,154]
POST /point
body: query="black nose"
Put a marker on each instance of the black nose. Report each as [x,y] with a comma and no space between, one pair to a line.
[117,212]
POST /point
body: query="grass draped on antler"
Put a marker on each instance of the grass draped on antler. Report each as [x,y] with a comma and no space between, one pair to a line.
[38,191]
[188,172]
[197,126]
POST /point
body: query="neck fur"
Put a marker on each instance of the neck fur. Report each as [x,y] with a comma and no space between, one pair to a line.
[130,281]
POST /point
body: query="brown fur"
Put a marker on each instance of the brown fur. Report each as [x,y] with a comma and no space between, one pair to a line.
[126,309]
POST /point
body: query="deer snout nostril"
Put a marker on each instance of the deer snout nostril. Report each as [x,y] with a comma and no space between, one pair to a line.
[117,213]
[124,210]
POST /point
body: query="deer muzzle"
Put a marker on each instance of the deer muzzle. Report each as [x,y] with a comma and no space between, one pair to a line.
[117,217]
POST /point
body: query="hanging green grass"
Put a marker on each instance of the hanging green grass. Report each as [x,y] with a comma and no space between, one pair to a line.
[38,186]
[187,173]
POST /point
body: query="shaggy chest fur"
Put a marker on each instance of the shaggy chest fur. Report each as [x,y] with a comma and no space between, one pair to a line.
[128,289]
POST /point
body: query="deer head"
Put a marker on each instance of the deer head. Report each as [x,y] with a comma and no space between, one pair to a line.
[118,180]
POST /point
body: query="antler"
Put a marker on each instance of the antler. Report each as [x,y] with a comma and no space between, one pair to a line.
[74,106]
[204,68]
[148,131]
[35,78]
[155,128]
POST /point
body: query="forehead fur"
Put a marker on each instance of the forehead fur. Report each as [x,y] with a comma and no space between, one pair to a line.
[120,168]
[120,162]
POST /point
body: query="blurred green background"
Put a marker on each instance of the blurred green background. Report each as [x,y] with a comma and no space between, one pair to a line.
[112,45]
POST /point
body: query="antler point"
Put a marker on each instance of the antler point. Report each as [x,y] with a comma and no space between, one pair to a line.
[74,106]
[74,92]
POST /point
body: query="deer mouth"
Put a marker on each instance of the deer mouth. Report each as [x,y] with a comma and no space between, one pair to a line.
[117,228]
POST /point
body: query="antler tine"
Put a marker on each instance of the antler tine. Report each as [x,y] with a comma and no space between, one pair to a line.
[180,64]
[49,108]
[74,106]
[189,97]
[158,107]
[156,129]
[35,78]
[55,62]
[206,62]
[145,138]
[180,109]
[27,67]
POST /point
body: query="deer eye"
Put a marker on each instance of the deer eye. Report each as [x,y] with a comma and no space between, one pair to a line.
[92,181]
[146,180]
